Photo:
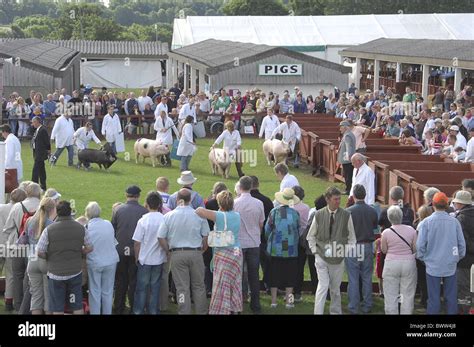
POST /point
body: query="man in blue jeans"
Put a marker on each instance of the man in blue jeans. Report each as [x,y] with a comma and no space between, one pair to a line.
[360,264]
[63,243]
[440,245]
[150,256]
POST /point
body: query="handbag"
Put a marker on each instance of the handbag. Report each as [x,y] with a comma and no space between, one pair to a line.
[11,180]
[224,238]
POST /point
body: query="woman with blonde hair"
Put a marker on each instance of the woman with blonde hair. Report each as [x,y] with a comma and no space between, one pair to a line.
[37,268]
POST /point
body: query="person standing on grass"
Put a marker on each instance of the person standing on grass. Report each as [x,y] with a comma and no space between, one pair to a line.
[347,148]
[267,207]
[226,295]
[331,229]
[63,135]
[101,262]
[111,127]
[124,221]
[63,244]
[282,234]
[360,266]
[399,273]
[303,211]
[465,215]
[41,150]
[164,126]
[12,151]
[186,146]
[286,179]
[440,245]
[183,236]
[149,256]
[252,216]
[232,145]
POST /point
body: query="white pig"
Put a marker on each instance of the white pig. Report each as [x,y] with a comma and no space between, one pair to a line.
[150,149]
[276,151]
[220,161]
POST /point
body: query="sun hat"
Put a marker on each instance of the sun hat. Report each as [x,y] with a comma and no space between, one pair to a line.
[463,197]
[186,178]
[287,197]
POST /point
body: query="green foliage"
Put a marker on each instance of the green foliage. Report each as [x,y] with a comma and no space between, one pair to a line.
[255,8]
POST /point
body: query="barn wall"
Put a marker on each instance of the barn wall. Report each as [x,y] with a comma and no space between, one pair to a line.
[313,74]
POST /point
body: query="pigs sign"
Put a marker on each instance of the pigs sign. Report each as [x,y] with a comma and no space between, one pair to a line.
[280,69]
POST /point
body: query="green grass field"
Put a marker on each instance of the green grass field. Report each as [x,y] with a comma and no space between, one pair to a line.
[106,188]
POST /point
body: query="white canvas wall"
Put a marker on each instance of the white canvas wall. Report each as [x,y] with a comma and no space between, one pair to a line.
[121,73]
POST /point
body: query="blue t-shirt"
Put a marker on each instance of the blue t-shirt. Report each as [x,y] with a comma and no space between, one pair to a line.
[233,224]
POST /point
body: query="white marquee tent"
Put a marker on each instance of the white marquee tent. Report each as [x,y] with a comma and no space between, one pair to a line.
[322,36]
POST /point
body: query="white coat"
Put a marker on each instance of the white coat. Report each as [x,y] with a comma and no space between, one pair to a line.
[269,124]
[63,132]
[290,135]
[231,141]
[13,155]
[159,108]
[111,127]
[186,146]
[83,137]
[187,110]
[166,137]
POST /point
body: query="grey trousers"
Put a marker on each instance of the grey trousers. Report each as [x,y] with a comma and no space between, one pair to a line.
[6,266]
[187,268]
[21,286]
[164,287]
[465,297]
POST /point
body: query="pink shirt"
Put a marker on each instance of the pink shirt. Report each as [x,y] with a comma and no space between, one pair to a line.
[303,210]
[252,216]
[394,247]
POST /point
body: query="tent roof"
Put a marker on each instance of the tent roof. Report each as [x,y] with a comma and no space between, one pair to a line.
[306,31]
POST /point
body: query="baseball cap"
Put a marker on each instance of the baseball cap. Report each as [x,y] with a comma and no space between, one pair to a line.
[440,198]
[133,190]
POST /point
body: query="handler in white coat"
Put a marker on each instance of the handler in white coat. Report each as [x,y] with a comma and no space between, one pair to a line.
[12,152]
[232,145]
[111,127]
[291,134]
[84,135]
[63,135]
[164,126]
[269,124]
[186,147]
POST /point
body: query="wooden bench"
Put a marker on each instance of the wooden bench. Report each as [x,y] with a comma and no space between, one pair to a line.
[382,172]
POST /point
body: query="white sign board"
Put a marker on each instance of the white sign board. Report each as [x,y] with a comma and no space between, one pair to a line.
[280,69]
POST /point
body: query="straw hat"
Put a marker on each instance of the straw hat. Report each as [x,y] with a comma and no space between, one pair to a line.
[463,197]
[287,197]
[186,178]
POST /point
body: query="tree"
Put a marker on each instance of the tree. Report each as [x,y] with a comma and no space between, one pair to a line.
[17,33]
[255,7]
[307,7]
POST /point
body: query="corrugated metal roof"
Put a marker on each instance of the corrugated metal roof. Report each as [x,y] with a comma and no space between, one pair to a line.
[463,50]
[219,54]
[116,48]
[38,52]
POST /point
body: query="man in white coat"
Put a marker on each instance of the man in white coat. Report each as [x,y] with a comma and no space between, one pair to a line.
[232,145]
[12,152]
[269,124]
[186,147]
[364,176]
[188,109]
[291,134]
[63,135]
[111,128]
[164,126]
[83,136]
